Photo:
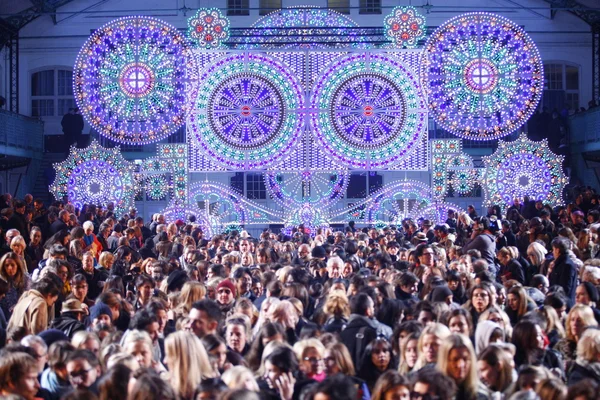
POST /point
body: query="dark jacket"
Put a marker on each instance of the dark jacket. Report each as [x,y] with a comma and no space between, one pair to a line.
[68,324]
[18,222]
[58,226]
[565,275]
[513,270]
[359,332]
[486,244]
[583,370]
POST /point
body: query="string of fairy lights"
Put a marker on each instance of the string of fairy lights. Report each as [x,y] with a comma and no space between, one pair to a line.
[305,117]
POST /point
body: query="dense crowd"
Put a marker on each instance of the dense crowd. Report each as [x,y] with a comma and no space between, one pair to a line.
[499,306]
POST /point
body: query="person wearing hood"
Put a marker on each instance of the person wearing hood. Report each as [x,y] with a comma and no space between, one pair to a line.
[587,364]
[71,317]
[442,294]
[487,332]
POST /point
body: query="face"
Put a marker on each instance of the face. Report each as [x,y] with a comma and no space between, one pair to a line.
[331,366]
[244,246]
[576,324]
[487,374]
[224,295]
[236,337]
[81,373]
[380,357]
[80,290]
[153,330]
[10,267]
[427,258]
[141,352]
[27,386]
[272,373]
[36,237]
[459,324]
[426,318]
[431,344]
[17,248]
[452,285]
[145,291]
[220,353]
[102,319]
[501,298]
[63,273]
[459,364]
[244,284]
[92,345]
[397,393]
[41,356]
[421,391]
[50,300]
[513,301]
[411,352]
[539,337]
[581,296]
[199,323]
[312,363]
[480,300]
[334,270]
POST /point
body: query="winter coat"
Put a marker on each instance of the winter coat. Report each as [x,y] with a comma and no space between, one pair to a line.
[564,274]
[31,312]
[582,369]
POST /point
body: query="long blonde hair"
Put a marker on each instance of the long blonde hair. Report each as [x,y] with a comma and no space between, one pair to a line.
[436,329]
[459,341]
[188,363]
[191,292]
[585,313]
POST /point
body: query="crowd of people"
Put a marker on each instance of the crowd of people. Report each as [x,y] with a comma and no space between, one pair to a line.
[498,306]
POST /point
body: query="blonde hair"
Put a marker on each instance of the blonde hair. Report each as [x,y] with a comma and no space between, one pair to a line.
[88,225]
[585,313]
[301,347]
[188,362]
[336,304]
[459,341]
[436,329]
[191,292]
[551,388]
[236,378]
[552,321]
[137,336]
[122,358]
[105,256]
[588,346]
[342,357]
[18,240]
[82,337]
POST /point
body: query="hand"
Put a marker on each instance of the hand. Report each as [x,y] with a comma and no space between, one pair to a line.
[285,385]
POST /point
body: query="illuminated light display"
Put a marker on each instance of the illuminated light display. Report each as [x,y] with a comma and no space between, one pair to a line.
[129,80]
[305,27]
[523,168]
[404,26]
[397,201]
[157,187]
[96,176]
[292,189]
[308,215]
[172,159]
[436,212]
[483,75]
[208,28]
[371,113]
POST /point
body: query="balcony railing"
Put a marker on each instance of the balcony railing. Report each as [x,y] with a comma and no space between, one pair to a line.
[19,131]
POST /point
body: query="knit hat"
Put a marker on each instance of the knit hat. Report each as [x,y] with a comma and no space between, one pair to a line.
[440,294]
[319,252]
[176,280]
[50,336]
[226,283]
[99,309]
[592,291]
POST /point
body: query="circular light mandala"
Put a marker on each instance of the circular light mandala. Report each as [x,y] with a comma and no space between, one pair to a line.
[129,80]
[97,176]
[370,112]
[157,187]
[523,168]
[209,28]
[247,114]
[483,75]
[404,26]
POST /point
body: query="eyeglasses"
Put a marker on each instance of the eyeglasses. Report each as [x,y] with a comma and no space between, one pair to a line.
[224,291]
[313,360]
[81,373]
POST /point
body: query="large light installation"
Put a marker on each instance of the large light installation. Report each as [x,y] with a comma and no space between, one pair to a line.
[322,188]
[96,175]
[483,75]
[130,80]
[370,111]
[523,168]
[248,112]
[208,28]
[404,26]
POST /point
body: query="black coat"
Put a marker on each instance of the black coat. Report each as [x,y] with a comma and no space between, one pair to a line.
[359,332]
[513,270]
[67,324]
[583,371]
[57,226]
[18,222]
[565,275]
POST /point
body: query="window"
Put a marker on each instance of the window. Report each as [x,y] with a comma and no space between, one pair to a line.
[238,7]
[255,187]
[236,182]
[561,85]
[341,6]
[370,7]
[268,6]
[357,186]
[51,92]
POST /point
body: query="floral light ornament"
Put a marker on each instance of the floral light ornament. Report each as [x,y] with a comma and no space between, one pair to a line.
[96,175]
[404,26]
[523,168]
[209,28]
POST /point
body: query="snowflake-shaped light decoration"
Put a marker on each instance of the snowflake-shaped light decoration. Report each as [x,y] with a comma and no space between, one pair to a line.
[311,216]
[129,80]
[464,175]
[209,28]
[404,26]
[483,75]
[370,112]
[290,189]
[523,168]
[96,175]
[247,112]
[157,187]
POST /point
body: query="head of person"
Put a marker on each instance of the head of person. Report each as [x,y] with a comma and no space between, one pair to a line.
[480,298]
[528,338]
[226,292]
[332,388]
[429,343]
[456,359]
[560,247]
[431,383]
[237,332]
[139,344]
[204,318]
[495,368]
[280,361]
[310,352]
[39,347]
[338,360]
[586,294]
[243,280]
[458,321]
[579,318]
[12,269]
[379,354]
[83,368]
[240,377]
[48,288]
[19,375]
[391,386]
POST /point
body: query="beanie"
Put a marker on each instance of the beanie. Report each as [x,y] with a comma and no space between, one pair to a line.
[227,284]
[99,309]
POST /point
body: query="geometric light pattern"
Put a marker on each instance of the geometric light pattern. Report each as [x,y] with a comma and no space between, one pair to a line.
[247,112]
[291,189]
[523,168]
[157,187]
[171,159]
[96,175]
[436,212]
[209,28]
[404,26]
[130,78]
[483,75]
[369,111]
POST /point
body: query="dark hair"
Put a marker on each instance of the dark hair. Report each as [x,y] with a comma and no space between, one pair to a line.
[211,342]
[142,319]
[84,355]
[407,279]
[284,359]
[150,386]
[561,244]
[58,250]
[524,338]
[211,308]
[113,385]
[268,330]
[47,287]
[336,387]
[586,389]
[443,386]
[484,222]
[359,304]
[141,280]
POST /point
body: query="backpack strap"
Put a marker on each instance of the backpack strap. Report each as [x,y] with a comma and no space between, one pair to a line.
[360,344]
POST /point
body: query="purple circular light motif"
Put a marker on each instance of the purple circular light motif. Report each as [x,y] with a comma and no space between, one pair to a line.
[524,175]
